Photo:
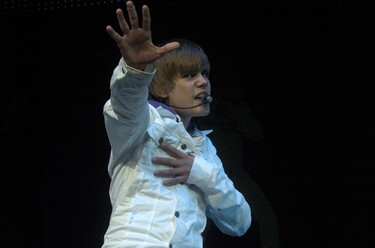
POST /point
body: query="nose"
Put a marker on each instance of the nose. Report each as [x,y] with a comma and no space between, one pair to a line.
[202,81]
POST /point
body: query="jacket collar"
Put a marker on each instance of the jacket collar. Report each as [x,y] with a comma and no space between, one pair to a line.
[192,126]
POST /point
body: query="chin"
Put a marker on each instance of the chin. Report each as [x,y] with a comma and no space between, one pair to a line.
[203,111]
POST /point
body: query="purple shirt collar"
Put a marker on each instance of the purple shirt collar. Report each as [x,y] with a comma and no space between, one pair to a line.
[156,104]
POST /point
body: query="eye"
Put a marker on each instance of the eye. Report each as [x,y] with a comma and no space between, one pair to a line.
[189,75]
[206,73]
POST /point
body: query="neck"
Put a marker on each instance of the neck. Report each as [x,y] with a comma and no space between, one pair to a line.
[186,121]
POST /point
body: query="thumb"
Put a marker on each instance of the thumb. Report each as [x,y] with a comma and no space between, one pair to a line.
[169,47]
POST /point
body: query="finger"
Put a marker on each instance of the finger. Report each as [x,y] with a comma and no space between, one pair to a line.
[174,181]
[165,173]
[114,35]
[164,161]
[169,47]
[122,22]
[146,20]
[171,150]
[133,16]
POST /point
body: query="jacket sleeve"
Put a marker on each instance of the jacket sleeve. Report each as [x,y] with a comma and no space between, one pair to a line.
[227,207]
[126,113]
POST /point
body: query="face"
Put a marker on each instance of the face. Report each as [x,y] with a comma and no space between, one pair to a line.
[188,91]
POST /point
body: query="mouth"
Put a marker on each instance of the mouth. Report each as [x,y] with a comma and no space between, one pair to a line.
[200,96]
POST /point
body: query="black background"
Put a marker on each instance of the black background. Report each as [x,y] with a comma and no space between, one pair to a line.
[304,69]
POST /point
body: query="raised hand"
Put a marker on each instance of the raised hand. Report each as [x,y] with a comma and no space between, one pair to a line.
[136,44]
[180,164]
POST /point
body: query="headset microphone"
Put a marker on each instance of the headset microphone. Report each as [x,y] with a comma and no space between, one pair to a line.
[207,99]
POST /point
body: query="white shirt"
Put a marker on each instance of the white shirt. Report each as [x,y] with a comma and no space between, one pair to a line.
[145,213]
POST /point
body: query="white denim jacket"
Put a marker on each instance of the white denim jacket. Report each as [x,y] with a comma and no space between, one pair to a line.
[145,213]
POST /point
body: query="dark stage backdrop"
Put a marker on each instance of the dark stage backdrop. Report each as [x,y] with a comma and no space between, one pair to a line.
[292,87]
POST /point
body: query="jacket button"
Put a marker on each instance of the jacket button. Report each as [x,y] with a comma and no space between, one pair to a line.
[177,214]
[183,147]
[161,140]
